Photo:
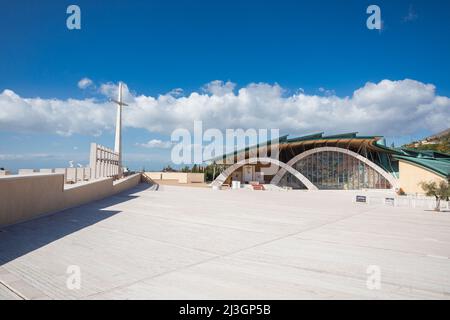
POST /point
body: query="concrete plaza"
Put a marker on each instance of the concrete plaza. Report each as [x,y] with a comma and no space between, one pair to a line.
[196,243]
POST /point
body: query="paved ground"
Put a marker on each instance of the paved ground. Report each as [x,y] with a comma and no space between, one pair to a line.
[189,243]
[176,183]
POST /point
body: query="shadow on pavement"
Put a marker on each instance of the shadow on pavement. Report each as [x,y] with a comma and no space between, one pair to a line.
[25,237]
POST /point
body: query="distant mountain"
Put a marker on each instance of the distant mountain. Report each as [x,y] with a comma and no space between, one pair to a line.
[437,142]
[439,135]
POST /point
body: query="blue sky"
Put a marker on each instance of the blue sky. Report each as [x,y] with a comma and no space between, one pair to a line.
[158,46]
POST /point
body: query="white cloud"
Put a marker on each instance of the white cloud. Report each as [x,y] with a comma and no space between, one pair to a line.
[327,92]
[176,92]
[63,117]
[156,143]
[111,90]
[388,107]
[219,88]
[34,156]
[84,83]
[29,156]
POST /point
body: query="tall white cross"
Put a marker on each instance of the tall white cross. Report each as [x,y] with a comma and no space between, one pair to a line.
[118,140]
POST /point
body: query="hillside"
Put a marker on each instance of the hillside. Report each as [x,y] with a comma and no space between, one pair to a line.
[437,142]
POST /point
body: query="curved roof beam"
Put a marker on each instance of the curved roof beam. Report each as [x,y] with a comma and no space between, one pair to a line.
[225,174]
[277,178]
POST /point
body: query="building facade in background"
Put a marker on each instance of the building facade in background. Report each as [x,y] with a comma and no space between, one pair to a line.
[335,162]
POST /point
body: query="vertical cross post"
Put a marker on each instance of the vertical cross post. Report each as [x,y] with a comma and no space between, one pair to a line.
[118,137]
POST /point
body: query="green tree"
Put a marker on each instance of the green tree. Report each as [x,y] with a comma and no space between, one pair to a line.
[212,170]
[168,169]
[441,191]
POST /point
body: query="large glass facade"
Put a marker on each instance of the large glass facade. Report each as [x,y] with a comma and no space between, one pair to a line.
[335,170]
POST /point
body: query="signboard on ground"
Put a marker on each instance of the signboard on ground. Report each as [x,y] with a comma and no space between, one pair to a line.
[389,201]
[361,199]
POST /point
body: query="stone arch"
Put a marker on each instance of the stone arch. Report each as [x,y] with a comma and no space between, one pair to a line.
[277,178]
[227,172]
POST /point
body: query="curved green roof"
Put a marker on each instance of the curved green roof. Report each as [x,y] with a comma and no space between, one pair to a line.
[321,136]
[439,166]
[431,160]
[284,140]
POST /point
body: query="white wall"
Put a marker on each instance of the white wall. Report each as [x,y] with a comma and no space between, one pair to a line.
[181,177]
[24,197]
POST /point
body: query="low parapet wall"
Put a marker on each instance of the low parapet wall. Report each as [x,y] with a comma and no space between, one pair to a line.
[181,177]
[126,183]
[72,175]
[26,197]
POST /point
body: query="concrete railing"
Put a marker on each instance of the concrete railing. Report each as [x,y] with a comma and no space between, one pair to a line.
[104,162]
[71,175]
[182,177]
[25,197]
[408,201]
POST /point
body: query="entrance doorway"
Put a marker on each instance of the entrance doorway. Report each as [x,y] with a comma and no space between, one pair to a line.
[248,172]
